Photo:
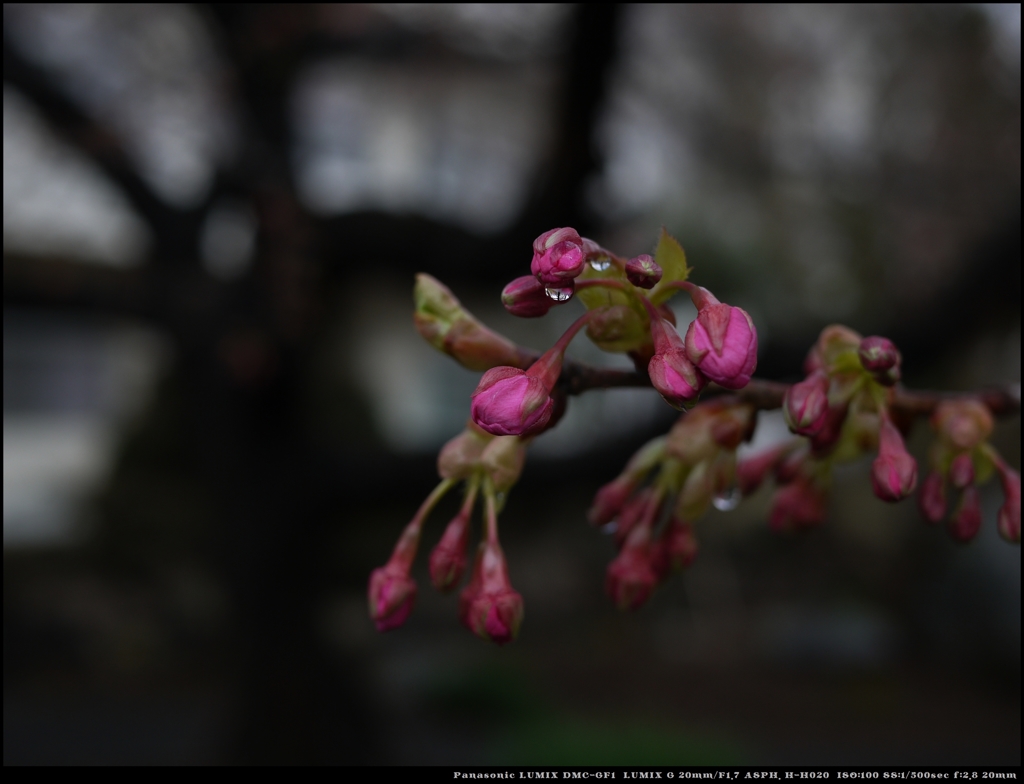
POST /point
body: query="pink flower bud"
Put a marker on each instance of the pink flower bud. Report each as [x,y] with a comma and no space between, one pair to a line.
[679,544]
[631,578]
[557,256]
[961,471]
[823,441]
[489,606]
[526,297]
[392,595]
[878,354]
[805,405]
[751,471]
[966,520]
[448,558]
[631,513]
[670,369]
[610,499]
[721,341]
[643,271]
[931,499]
[894,471]
[1009,512]
[508,402]
[800,504]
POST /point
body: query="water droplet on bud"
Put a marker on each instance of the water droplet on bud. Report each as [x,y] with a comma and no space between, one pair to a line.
[610,528]
[601,263]
[559,295]
[727,501]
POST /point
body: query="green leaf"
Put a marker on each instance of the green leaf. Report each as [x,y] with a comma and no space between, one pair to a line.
[672,260]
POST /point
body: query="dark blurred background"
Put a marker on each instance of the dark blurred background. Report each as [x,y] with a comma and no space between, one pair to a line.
[218,416]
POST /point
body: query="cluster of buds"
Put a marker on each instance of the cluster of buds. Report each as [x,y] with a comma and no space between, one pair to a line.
[488,605]
[691,468]
[961,458]
[842,409]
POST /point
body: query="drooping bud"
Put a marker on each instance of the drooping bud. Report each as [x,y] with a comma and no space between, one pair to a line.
[751,471]
[961,471]
[679,544]
[558,256]
[631,578]
[610,499]
[826,438]
[670,369]
[931,499]
[489,606]
[631,514]
[444,323]
[963,423]
[721,341]
[460,457]
[800,504]
[448,558]
[966,520]
[697,491]
[894,471]
[526,297]
[1008,520]
[392,594]
[643,271]
[805,405]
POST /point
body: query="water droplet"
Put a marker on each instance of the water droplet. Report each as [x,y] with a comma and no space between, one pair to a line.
[559,295]
[499,498]
[610,528]
[727,501]
[601,263]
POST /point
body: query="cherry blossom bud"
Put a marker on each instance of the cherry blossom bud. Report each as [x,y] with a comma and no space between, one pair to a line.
[805,405]
[931,499]
[800,504]
[1009,513]
[670,369]
[643,271]
[880,357]
[489,606]
[392,596]
[610,499]
[961,471]
[450,328]
[508,402]
[558,256]
[894,471]
[721,341]
[526,297]
[448,558]
[631,514]
[966,520]
[835,350]
[631,578]
[697,491]
[826,438]
[751,471]
[679,544]
[963,423]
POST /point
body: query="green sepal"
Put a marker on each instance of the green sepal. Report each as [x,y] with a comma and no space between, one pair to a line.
[670,256]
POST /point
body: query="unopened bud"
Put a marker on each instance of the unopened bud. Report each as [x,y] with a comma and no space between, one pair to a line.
[751,471]
[679,544]
[670,369]
[392,593]
[931,499]
[610,499]
[722,343]
[643,271]
[894,471]
[1008,520]
[805,405]
[826,438]
[526,297]
[697,492]
[966,520]
[881,358]
[450,328]
[835,350]
[489,606]
[961,471]
[448,558]
[631,578]
[557,256]
[508,402]
[800,504]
